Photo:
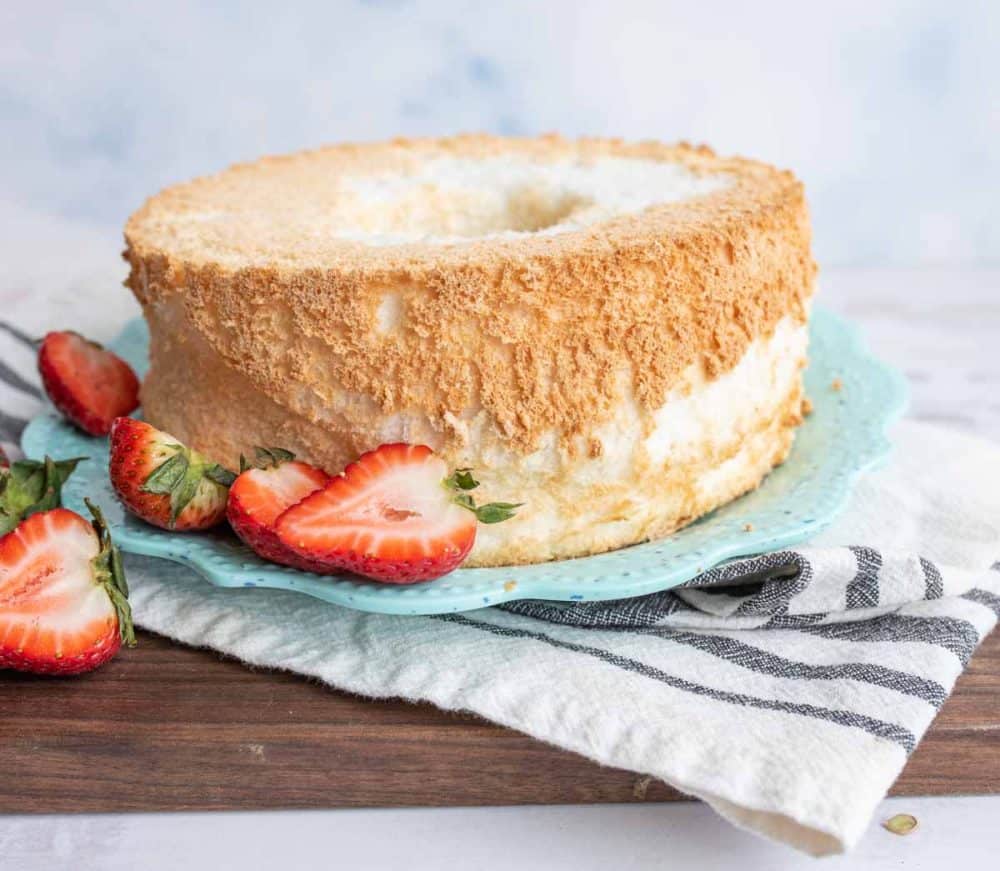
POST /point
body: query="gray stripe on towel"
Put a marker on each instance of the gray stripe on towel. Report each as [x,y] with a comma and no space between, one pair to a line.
[877,728]
[764,662]
[11,427]
[778,591]
[933,582]
[863,592]
[984,598]
[21,336]
[955,635]
[14,380]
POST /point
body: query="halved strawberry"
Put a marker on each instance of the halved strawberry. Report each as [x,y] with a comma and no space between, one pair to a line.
[63,597]
[162,481]
[394,515]
[262,492]
[91,386]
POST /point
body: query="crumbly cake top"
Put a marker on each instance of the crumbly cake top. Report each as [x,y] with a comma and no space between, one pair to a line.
[465,198]
[536,333]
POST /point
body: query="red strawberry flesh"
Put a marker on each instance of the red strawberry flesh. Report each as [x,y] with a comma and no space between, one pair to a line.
[55,616]
[259,496]
[90,385]
[388,517]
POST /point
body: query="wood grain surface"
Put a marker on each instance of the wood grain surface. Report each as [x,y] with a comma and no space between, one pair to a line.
[169,728]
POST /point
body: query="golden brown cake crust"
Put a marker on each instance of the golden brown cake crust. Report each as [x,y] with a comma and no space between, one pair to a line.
[537,333]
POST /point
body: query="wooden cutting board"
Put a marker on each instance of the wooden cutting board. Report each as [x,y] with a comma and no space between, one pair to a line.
[165,727]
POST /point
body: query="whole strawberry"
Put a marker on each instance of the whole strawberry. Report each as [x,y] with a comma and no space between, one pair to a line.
[164,482]
[90,385]
[63,596]
[262,491]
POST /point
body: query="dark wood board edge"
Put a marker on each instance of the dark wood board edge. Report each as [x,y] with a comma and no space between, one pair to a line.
[214,735]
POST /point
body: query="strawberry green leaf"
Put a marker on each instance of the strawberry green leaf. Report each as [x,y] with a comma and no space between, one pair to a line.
[29,486]
[220,475]
[166,477]
[268,458]
[183,492]
[465,500]
[118,571]
[111,574]
[496,512]
[179,477]
[461,479]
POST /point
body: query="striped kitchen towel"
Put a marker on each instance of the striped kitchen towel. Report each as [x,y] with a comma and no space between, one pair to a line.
[786,689]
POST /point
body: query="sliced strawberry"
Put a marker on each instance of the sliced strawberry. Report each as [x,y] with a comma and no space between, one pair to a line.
[262,492]
[162,481]
[91,386]
[63,597]
[394,515]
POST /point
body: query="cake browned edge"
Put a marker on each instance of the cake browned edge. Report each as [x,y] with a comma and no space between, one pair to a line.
[536,330]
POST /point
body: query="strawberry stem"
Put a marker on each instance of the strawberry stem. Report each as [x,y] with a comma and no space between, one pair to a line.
[461,481]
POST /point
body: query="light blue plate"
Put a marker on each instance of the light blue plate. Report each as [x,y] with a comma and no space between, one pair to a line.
[844,436]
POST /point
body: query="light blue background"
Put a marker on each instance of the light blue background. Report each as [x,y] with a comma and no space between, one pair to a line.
[889,111]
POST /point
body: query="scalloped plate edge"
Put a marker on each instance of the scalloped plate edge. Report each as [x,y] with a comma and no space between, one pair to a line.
[420,599]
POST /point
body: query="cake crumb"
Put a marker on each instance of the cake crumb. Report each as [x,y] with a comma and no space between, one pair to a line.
[807,406]
[510,586]
[640,787]
[748,527]
[901,824]
[837,385]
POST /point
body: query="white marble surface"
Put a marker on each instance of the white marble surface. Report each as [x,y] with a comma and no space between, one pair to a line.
[942,327]
[951,833]
[887,110]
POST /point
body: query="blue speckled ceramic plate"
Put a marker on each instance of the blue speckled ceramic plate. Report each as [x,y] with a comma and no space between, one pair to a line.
[844,436]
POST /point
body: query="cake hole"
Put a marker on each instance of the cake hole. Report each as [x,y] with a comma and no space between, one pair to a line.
[430,212]
[450,200]
[530,210]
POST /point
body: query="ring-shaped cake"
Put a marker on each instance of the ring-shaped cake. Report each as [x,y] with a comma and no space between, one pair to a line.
[611,333]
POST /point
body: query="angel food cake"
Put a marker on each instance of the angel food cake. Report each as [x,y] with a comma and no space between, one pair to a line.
[612,334]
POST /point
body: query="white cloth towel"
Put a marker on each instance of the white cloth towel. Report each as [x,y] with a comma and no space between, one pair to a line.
[785,690]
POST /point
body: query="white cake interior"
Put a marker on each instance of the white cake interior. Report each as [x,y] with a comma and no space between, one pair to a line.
[448,200]
[711,438]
